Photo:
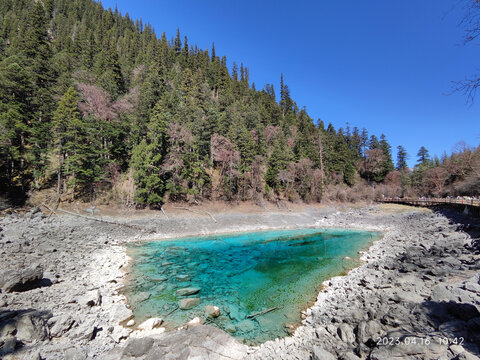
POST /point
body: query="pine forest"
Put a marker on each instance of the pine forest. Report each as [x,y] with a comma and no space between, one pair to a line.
[95,106]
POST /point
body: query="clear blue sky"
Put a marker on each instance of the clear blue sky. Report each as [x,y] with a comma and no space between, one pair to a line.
[383,65]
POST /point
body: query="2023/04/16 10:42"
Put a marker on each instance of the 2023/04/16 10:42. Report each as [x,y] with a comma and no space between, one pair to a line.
[414,340]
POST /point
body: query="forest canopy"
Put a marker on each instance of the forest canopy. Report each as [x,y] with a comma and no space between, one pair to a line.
[95,105]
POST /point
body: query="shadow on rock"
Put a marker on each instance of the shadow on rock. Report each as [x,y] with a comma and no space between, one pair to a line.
[456,323]
[19,328]
[466,223]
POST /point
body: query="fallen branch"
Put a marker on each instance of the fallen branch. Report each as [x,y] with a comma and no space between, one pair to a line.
[51,210]
[260,313]
[171,312]
[100,220]
[164,213]
[210,215]
[196,212]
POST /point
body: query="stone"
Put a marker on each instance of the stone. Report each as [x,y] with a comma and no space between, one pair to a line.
[345,332]
[74,354]
[319,353]
[212,311]
[59,325]
[9,345]
[194,322]
[235,314]
[183,277]
[21,280]
[91,298]
[368,330]
[199,342]
[120,313]
[348,356]
[140,297]
[151,333]
[150,324]
[130,323]
[188,291]
[188,303]
[31,327]
[231,328]
[138,347]
[245,326]
[85,331]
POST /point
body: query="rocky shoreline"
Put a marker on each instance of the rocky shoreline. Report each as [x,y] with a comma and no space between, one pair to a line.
[417,295]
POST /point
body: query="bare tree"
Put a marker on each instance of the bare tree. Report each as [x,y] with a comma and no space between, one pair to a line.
[471,24]
[437,177]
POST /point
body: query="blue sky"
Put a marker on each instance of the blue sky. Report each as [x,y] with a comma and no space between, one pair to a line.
[387,66]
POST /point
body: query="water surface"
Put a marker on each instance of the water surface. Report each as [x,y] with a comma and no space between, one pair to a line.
[242,274]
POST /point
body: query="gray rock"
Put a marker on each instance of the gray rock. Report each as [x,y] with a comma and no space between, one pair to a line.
[9,345]
[59,325]
[31,327]
[345,332]
[20,280]
[212,311]
[91,298]
[188,303]
[188,291]
[183,277]
[319,353]
[140,297]
[199,342]
[138,347]
[120,313]
[74,354]
[367,330]
[245,326]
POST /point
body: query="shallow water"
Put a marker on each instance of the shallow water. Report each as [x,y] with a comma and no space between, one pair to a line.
[241,274]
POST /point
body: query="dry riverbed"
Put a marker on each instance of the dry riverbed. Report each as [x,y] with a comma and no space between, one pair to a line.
[416,296]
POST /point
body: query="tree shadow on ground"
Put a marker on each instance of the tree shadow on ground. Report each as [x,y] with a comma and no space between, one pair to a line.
[17,322]
[465,222]
[455,323]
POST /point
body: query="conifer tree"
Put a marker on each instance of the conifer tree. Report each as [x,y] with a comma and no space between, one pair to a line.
[66,121]
[401,158]
[147,159]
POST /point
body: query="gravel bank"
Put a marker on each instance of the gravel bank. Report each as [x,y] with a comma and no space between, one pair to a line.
[60,279]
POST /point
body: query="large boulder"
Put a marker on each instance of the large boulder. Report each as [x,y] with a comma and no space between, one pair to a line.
[137,347]
[21,280]
[27,326]
[199,342]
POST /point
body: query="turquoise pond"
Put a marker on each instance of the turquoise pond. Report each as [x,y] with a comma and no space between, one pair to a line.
[241,274]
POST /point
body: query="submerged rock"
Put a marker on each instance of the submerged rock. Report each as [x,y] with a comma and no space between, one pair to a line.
[140,297]
[188,291]
[245,326]
[188,303]
[183,277]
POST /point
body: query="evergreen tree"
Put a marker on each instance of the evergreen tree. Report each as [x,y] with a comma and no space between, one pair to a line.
[147,159]
[38,54]
[15,116]
[66,121]
[387,164]
[401,158]
[423,155]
